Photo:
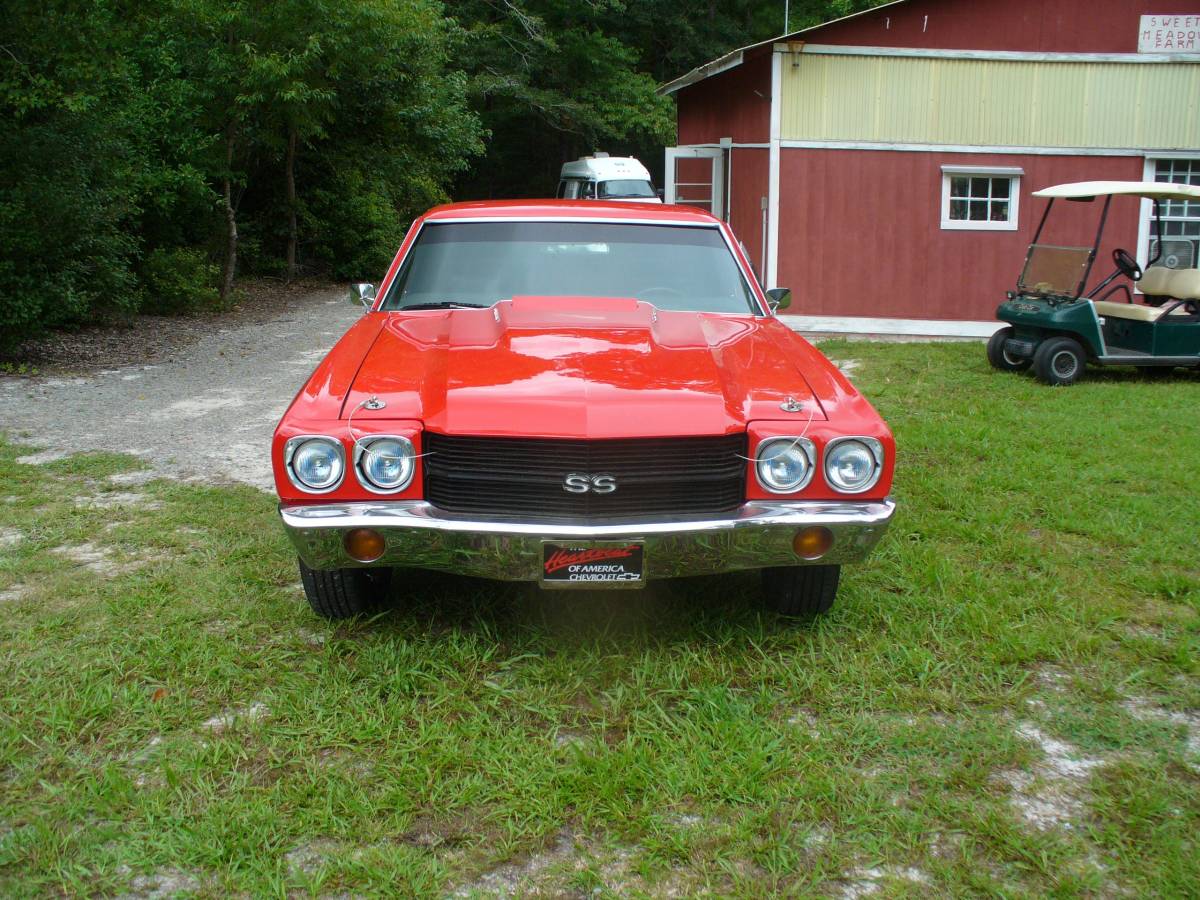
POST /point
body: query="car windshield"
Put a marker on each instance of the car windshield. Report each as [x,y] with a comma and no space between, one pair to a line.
[478,263]
[626,187]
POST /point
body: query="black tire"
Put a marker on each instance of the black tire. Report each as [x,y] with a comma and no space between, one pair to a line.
[800,590]
[342,593]
[1059,361]
[1001,360]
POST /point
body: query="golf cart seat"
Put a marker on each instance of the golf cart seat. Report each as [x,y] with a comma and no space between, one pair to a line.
[1156,285]
[1135,311]
[1164,286]
[1185,284]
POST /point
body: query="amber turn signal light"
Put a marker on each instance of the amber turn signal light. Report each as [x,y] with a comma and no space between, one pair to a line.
[365,544]
[812,542]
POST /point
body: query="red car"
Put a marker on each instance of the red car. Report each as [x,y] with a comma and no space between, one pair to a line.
[580,394]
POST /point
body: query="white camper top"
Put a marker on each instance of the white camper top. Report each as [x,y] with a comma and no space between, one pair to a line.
[605,168]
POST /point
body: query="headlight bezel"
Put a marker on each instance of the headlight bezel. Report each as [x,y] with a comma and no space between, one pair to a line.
[873,445]
[289,453]
[802,443]
[361,449]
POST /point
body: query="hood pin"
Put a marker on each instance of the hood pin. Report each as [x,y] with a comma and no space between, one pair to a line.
[792,405]
[374,403]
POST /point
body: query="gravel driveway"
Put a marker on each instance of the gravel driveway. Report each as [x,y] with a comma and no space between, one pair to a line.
[205,413]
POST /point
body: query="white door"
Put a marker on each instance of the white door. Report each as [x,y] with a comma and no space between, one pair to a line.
[696,177]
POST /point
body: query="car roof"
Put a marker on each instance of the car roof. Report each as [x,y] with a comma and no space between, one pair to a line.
[1151,190]
[572,209]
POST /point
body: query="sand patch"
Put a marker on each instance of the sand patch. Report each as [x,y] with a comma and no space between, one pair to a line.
[1052,794]
[94,558]
[866,881]
[14,593]
[513,878]
[42,457]
[1189,721]
[196,407]
[230,718]
[115,500]
[163,883]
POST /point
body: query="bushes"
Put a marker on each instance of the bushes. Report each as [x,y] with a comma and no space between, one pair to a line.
[127,125]
[179,280]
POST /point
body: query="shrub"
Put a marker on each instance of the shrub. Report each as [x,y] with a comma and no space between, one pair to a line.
[179,280]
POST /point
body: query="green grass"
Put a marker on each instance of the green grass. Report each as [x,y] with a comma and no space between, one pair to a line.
[1040,584]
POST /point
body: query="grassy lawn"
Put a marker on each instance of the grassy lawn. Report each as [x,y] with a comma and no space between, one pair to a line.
[1006,700]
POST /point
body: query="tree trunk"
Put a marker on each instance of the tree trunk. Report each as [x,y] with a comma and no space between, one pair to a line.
[231,232]
[291,201]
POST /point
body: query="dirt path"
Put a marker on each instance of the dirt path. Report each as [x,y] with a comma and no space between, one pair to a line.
[207,412]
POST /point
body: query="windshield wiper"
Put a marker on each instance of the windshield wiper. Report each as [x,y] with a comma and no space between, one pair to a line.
[443,304]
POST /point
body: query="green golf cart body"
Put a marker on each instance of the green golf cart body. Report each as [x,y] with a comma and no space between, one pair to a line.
[1056,329]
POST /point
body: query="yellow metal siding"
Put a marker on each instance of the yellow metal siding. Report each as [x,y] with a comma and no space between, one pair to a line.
[1007,103]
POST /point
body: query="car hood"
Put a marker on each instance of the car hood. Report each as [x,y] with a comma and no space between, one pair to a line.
[578,367]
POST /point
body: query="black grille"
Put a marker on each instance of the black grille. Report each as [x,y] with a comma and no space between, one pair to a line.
[524,477]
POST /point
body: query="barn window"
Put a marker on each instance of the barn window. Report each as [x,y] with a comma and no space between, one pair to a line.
[980,199]
[1180,236]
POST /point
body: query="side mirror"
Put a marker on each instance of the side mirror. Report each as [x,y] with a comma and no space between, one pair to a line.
[779,298]
[363,293]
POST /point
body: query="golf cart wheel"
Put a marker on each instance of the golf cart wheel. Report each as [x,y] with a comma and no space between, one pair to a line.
[1000,358]
[1059,361]
[342,593]
[800,590]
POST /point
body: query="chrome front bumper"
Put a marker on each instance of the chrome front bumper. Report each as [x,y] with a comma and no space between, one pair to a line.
[421,536]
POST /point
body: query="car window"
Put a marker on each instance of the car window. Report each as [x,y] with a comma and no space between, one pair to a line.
[672,267]
[626,187]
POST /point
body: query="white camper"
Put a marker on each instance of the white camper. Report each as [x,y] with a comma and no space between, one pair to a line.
[604,177]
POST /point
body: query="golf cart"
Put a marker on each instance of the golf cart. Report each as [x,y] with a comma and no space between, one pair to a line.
[1057,328]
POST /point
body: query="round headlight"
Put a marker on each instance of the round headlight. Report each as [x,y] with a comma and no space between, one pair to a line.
[784,465]
[386,463]
[317,464]
[853,465]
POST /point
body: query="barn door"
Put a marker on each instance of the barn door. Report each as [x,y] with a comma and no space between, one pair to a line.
[696,177]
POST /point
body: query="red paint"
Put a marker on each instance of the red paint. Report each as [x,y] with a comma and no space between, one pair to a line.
[869,242]
[735,104]
[573,367]
[1065,26]
[747,189]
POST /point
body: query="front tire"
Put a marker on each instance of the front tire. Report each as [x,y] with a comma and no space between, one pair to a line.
[1059,361]
[342,593]
[801,590]
[999,358]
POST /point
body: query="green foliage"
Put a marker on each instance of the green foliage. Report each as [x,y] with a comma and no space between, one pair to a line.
[179,280]
[124,122]
[136,133]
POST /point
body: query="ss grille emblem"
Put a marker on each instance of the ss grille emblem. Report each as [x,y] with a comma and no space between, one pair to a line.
[576,483]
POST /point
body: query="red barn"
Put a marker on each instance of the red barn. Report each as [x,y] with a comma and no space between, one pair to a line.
[881,165]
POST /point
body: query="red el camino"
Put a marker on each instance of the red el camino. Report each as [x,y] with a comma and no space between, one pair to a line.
[580,394]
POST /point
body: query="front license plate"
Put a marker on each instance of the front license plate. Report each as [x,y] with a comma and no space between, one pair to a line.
[617,564]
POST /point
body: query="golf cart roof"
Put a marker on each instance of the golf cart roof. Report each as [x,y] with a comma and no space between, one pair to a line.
[1151,190]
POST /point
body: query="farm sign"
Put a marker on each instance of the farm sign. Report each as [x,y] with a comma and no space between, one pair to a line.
[1169,34]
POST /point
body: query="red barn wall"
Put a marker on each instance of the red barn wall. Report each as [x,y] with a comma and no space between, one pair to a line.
[860,231]
[747,187]
[726,105]
[1066,26]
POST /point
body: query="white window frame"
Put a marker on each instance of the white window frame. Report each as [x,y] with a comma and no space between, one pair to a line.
[1149,167]
[1012,173]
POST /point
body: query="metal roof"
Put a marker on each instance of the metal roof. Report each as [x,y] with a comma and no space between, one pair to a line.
[733,59]
[1151,190]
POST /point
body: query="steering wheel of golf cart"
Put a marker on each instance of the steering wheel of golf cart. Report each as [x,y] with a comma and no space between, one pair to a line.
[1127,265]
